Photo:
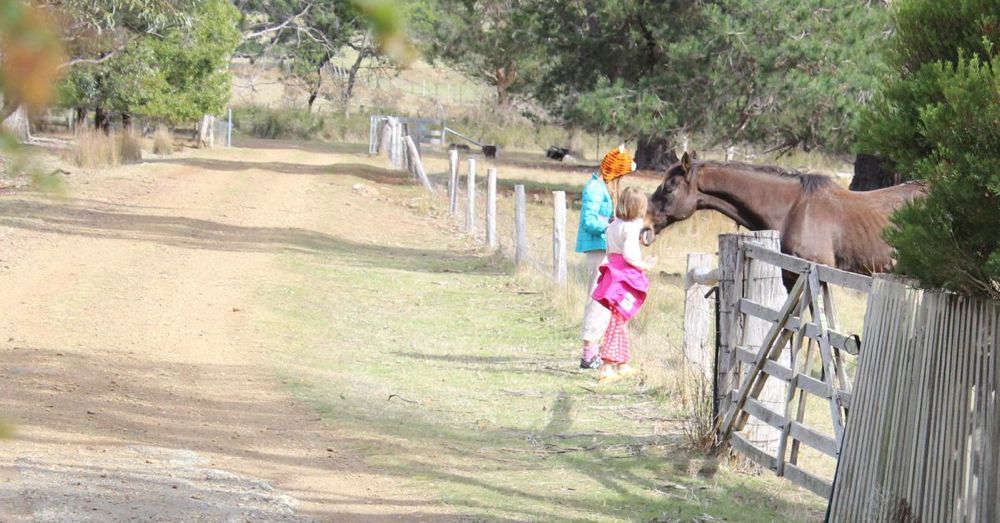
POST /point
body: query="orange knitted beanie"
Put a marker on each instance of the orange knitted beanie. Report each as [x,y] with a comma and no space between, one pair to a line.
[617,162]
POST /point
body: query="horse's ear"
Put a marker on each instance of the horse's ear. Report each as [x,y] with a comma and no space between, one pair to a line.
[686,161]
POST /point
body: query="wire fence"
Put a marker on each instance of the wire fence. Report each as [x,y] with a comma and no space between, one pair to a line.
[659,326]
[443,90]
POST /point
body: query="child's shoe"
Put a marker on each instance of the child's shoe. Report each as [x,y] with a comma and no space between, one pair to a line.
[625,370]
[607,374]
[590,365]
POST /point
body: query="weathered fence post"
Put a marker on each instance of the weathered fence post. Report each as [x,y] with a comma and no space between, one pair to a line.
[416,166]
[725,378]
[470,207]
[385,138]
[453,181]
[520,228]
[396,159]
[404,131]
[559,237]
[372,138]
[697,280]
[761,283]
[491,207]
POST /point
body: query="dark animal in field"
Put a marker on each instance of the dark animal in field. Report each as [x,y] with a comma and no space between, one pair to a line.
[818,220]
[555,152]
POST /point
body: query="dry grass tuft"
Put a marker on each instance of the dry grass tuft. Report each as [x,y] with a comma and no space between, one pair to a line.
[696,408]
[93,149]
[129,147]
[163,141]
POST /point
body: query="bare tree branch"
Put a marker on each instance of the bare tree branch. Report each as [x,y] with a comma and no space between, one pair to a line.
[278,27]
[89,61]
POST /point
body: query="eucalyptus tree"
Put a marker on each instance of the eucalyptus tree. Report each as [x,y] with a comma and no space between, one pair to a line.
[496,42]
[307,35]
[164,60]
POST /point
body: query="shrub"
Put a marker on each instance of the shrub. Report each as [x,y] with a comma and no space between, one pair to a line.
[94,149]
[163,141]
[937,119]
[279,123]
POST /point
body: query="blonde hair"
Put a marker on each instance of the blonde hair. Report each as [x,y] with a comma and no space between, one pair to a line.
[631,204]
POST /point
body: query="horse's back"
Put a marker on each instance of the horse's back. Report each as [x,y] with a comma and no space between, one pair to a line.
[844,228]
[895,195]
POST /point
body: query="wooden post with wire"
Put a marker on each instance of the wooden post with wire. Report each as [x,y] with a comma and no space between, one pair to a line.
[453,181]
[491,208]
[699,278]
[559,237]
[470,207]
[520,228]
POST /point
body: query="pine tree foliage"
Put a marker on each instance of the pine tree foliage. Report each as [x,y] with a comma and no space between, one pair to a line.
[779,73]
[938,118]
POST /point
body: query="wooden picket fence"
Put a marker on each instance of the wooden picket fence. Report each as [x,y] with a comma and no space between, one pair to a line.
[923,442]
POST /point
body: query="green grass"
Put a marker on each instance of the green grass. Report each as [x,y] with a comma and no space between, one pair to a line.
[451,375]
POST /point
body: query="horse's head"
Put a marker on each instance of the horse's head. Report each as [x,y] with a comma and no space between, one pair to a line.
[674,200]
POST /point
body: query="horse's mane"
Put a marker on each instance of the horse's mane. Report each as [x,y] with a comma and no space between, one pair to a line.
[810,182]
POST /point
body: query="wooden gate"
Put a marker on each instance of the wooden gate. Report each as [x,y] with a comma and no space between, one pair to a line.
[804,326]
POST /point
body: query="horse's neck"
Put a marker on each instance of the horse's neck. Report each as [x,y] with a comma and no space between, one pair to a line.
[757,201]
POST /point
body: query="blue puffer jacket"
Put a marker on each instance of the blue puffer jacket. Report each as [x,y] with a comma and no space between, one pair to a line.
[596,210]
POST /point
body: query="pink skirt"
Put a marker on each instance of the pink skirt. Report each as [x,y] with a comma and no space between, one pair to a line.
[621,287]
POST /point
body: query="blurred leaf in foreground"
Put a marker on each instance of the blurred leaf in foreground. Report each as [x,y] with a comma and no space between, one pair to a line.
[31,55]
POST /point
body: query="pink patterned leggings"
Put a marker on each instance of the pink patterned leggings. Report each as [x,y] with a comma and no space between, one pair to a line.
[615,347]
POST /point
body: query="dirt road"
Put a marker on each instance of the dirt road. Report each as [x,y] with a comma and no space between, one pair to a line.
[288,333]
[135,381]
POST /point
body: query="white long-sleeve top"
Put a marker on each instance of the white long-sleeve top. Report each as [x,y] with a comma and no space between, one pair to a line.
[623,238]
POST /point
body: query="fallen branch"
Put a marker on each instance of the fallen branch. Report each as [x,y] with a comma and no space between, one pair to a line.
[402,398]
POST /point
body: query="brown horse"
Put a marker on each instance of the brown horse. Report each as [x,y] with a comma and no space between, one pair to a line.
[818,220]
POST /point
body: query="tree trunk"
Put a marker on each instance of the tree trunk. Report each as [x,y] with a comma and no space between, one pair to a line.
[102,120]
[352,76]
[206,131]
[315,87]
[505,77]
[653,153]
[81,117]
[313,93]
[16,124]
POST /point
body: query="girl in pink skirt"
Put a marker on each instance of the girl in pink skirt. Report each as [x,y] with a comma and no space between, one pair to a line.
[623,284]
